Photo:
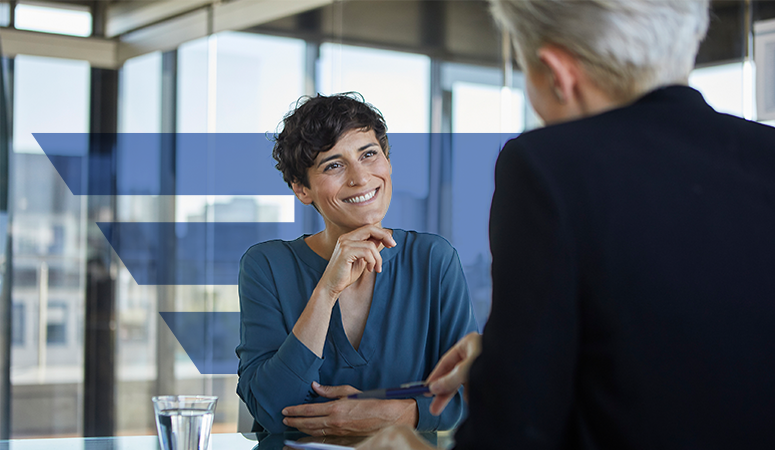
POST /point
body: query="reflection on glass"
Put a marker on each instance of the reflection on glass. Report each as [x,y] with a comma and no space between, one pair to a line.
[51,95]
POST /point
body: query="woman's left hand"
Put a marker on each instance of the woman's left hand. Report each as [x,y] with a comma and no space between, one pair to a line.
[347,417]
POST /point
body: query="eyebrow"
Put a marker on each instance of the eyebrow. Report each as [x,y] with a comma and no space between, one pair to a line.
[338,155]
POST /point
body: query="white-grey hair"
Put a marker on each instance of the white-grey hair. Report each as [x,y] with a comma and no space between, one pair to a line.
[628,47]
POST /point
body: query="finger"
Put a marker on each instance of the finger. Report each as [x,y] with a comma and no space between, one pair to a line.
[373,233]
[439,403]
[447,385]
[377,259]
[309,425]
[364,262]
[461,355]
[369,252]
[334,391]
[307,410]
[445,365]
[358,267]
[364,250]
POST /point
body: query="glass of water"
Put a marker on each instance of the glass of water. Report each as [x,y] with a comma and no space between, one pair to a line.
[184,421]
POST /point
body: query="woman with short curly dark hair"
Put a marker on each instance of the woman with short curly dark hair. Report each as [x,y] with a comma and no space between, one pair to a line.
[354,307]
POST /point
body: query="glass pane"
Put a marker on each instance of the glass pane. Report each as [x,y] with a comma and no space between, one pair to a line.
[136,305]
[724,88]
[192,87]
[484,115]
[481,108]
[5,14]
[54,99]
[51,95]
[229,83]
[398,84]
[140,101]
[72,20]
[258,79]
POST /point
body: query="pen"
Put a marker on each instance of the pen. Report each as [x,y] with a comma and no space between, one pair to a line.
[405,390]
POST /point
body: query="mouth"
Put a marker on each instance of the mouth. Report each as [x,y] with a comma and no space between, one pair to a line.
[356,199]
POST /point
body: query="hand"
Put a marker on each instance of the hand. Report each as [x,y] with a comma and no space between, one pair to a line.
[354,253]
[344,417]
[452,371]
[394,437]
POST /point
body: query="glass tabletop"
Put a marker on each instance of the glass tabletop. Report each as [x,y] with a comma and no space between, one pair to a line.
[220,441]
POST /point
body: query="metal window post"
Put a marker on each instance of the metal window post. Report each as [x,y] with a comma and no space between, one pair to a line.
[99,412]
[7,253]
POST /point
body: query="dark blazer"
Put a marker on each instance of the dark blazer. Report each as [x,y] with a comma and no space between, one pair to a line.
[633,284]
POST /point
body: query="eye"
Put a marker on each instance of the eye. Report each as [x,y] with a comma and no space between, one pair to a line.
[333,165]
[369,153]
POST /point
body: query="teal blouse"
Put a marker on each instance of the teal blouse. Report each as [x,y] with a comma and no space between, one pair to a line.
[421,307]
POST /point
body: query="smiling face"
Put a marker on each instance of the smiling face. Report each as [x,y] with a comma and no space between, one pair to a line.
[349,184]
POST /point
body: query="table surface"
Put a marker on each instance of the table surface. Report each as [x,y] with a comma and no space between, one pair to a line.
[220,441]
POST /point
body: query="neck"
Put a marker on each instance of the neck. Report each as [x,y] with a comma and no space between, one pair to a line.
[593,101]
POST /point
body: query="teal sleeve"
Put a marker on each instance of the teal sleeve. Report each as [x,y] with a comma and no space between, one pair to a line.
[275,369]
[457,320]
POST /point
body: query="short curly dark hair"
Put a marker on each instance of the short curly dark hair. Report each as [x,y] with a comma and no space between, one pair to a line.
[316,124]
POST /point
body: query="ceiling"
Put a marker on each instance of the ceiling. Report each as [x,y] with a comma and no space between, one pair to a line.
[453,30]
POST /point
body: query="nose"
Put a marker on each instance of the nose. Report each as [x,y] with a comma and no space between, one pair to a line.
[359,175]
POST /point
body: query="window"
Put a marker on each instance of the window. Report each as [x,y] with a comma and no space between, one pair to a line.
[5,14]
[484,115]
[73,20]
[56,326]
[140,103]
[25,277]
[482,108]
[18,324]
[727,88]
[398,84]
[50,95]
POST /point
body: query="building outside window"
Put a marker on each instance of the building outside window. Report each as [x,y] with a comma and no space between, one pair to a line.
[50,95]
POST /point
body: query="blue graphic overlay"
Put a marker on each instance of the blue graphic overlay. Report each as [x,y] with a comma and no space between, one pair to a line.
[207,253]
[442,183]
[207,163]
[209,339]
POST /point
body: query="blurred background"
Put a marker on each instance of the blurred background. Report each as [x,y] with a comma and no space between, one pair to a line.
[82,346]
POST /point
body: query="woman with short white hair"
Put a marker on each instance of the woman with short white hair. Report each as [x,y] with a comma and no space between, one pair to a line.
[632,248]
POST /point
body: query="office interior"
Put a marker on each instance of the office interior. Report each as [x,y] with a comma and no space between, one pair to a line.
[82,345]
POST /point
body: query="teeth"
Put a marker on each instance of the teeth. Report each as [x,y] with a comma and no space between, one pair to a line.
[361,198]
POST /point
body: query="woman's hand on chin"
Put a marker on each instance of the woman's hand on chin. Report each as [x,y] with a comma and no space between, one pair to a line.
[355,252]
[345,417]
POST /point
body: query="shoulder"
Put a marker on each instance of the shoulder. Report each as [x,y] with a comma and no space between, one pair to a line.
[269,253]
[427,247]
[659,128]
